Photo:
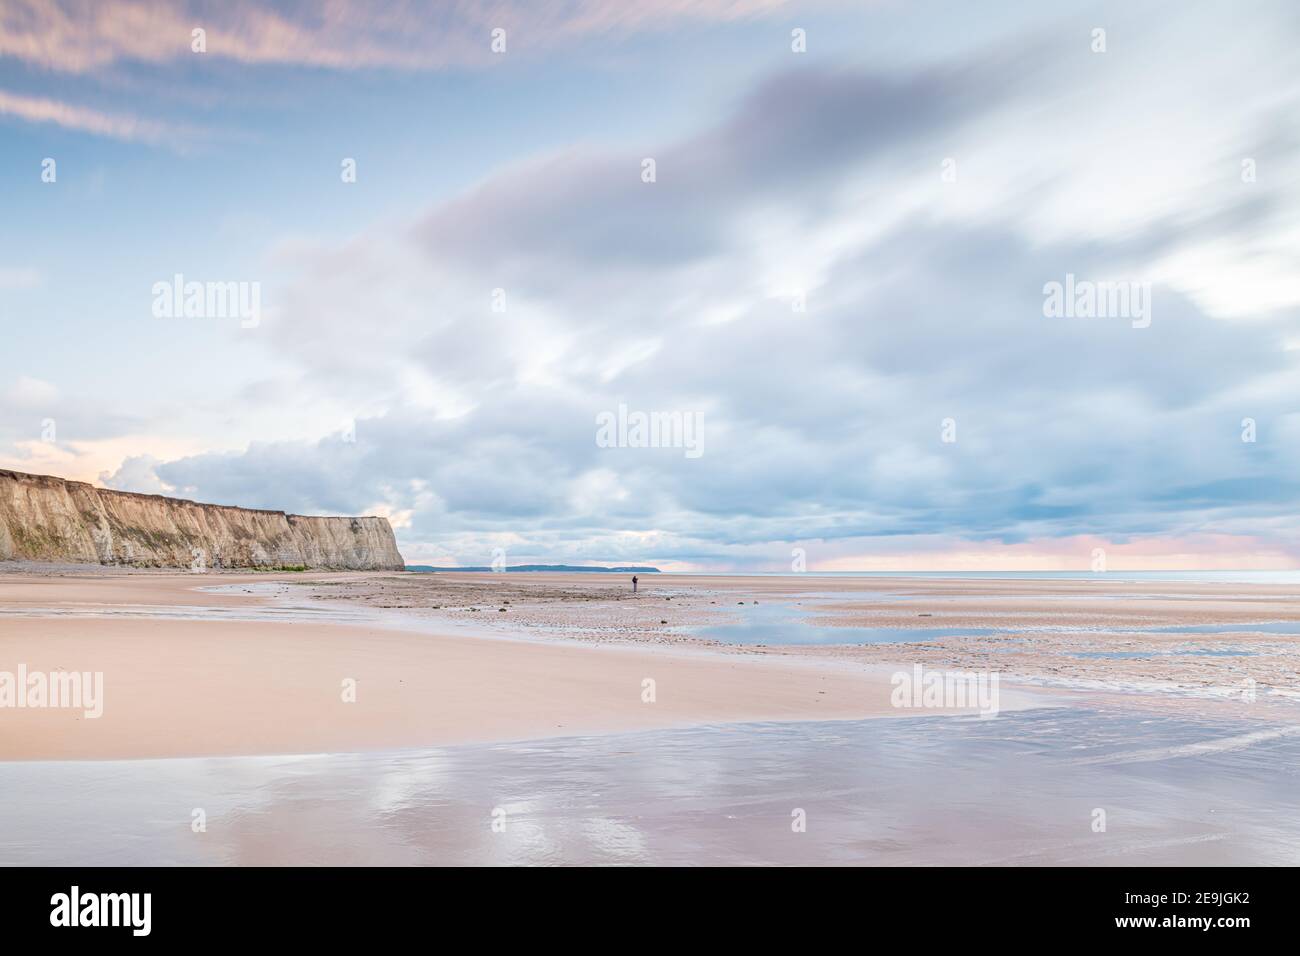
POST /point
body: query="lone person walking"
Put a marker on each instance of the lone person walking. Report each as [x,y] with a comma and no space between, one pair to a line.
[634,584]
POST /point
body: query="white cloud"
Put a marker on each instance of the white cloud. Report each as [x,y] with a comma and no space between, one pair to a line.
[31,393]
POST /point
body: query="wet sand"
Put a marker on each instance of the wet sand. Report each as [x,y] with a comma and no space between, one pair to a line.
[1096,635]
[1062,786]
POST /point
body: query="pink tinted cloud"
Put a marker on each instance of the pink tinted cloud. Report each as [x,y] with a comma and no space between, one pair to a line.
[1203,552]
[80,36]
[36,109]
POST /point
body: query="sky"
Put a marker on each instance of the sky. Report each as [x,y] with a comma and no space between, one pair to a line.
[820,237]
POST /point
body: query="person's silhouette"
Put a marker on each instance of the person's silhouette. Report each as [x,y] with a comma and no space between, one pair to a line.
[634,584]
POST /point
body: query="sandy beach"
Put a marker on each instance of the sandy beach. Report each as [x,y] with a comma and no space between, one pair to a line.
[228,693]
[200,686]
[247,664]
[1153,642]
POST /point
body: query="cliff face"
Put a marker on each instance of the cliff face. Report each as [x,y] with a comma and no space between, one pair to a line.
[49,519]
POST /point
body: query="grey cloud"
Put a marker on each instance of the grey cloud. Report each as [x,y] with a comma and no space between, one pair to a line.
[794,138]
[819,425]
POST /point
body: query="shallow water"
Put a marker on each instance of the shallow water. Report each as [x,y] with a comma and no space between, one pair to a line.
[1145,655]
[1018,788]
[783,623]
[1265,627]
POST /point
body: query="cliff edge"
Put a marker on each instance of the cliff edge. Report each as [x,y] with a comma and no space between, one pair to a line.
[43,518]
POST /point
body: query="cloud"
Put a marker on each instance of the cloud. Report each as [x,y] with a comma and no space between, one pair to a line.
[137,474]
[81,36]
[822,426]
[785,145]
[36,109]
[29,393]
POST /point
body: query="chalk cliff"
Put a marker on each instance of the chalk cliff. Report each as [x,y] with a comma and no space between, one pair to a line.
[49,519]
